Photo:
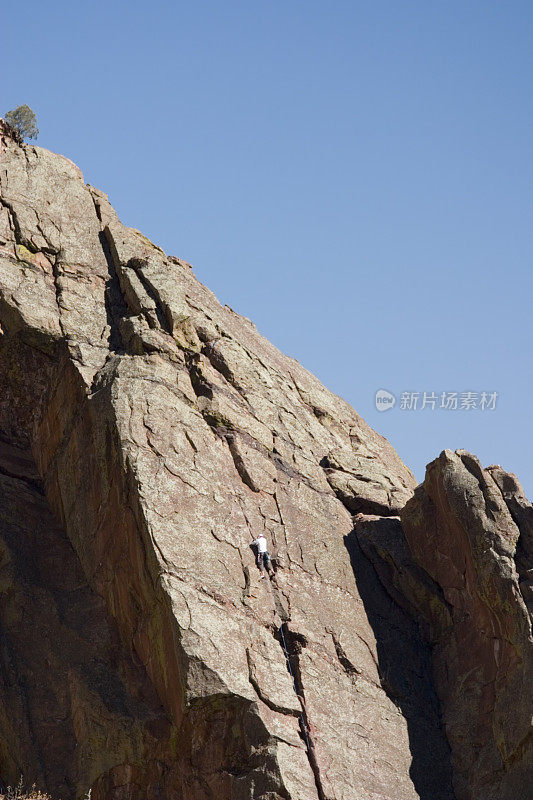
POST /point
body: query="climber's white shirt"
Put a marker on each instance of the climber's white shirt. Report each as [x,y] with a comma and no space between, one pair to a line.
[261,544]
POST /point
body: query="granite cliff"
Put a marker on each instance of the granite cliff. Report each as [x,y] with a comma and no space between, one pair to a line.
[147,436]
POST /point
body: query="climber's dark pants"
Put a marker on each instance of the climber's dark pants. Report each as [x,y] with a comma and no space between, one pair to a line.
[263,560]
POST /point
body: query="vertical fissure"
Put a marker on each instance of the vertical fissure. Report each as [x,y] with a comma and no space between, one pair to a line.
[57,276]
[137,264]
[13,220]
[115,304]
[291,644]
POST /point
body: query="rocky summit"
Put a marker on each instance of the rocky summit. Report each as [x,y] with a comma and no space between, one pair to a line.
[148,435]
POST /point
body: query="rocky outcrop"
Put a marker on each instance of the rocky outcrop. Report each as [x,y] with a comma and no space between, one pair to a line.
[147,436]
[464,569]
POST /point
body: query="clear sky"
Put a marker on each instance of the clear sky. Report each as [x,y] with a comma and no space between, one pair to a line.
[356,177]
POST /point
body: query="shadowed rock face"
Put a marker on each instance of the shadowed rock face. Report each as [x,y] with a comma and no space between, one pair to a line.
[464,569]
[148,436]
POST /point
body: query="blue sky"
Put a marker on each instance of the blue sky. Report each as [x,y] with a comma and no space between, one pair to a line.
[356,177]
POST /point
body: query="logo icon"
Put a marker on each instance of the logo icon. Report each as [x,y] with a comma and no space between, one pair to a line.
[384,400]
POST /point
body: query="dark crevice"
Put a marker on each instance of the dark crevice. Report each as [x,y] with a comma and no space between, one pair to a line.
[115,305]
[263,697]
[218,361]
[344,661]
[326,464]
[292,643]
[220,426]
[56,276]
[97,208]
[138,265]
[200,386]
[246,590]
[17,232]
[281,611]
[13,221]
[239,463]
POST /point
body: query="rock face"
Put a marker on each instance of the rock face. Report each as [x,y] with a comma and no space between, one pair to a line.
[465,570]
[147,436]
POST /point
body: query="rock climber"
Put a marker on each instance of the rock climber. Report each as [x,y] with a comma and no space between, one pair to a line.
[264,562]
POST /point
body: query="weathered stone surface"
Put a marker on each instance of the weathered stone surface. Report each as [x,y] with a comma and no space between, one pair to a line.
[148,436]
[464,570]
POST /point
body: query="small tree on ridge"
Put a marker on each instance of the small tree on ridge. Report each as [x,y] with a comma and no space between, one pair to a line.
[23,120]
